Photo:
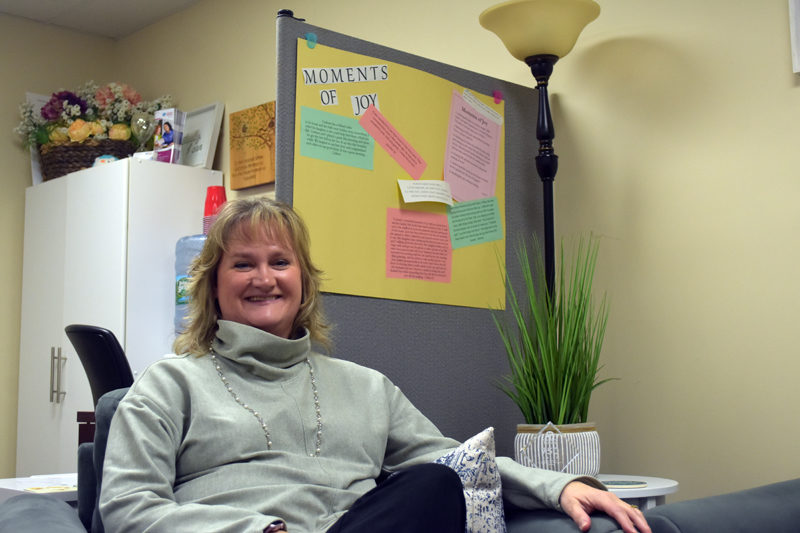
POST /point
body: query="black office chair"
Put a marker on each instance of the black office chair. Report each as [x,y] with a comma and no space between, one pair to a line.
[102,358]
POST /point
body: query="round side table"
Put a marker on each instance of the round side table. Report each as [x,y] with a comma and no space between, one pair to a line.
[652,494]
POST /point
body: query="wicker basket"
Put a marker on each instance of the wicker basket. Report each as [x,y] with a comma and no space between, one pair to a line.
[59,159]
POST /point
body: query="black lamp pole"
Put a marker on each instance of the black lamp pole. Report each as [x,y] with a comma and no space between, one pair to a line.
[546,160]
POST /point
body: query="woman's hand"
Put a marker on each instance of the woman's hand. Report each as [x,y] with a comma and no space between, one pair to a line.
[579,499]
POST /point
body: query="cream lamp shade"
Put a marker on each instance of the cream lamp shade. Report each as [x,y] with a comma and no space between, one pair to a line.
[534,27]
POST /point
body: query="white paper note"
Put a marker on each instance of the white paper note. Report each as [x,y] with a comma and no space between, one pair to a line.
[425,191]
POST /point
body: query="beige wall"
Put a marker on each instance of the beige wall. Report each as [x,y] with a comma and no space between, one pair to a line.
[39,59]
[676,127]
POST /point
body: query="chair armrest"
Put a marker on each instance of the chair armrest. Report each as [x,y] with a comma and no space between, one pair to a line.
[522,521]
[104,413]
[35,513]
[770,508]
[87,484]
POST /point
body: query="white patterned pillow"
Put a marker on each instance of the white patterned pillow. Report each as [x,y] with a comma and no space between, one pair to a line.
[474,462]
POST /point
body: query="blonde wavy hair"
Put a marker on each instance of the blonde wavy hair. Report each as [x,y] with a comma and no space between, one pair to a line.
[283,224]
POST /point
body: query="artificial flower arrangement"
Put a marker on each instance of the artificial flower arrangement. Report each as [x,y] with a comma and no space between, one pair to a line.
[88,117]
[91,112]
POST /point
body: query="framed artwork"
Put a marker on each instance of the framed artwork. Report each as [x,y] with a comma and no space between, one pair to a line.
[200,135]
[794,30]
[37,101]
[252,133]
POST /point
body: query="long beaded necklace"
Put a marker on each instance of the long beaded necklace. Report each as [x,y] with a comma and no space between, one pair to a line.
[256,414]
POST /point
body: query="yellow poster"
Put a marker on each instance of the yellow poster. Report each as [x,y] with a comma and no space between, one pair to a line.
[399,176]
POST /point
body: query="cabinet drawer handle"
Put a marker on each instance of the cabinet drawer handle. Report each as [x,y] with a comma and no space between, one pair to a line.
[56,364]
[60,364]
[52,372]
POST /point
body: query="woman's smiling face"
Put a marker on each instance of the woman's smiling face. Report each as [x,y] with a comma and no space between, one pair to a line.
[259,282]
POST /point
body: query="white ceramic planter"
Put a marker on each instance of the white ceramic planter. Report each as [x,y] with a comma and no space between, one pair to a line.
[569,448]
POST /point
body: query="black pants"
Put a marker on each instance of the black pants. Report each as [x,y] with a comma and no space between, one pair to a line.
[426,497]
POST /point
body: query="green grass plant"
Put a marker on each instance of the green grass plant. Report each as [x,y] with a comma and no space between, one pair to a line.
[553,341]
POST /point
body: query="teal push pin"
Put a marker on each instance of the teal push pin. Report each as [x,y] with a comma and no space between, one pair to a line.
[311,39]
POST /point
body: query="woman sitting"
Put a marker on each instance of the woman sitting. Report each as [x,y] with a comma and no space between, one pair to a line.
[249,429]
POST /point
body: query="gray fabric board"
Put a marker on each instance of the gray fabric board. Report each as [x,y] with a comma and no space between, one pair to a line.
[449,365]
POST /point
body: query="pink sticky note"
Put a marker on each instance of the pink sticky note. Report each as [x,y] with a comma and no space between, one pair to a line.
[417,246]
[390,140]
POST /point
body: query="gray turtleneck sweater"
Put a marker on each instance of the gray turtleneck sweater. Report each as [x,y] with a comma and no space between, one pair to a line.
[183,455]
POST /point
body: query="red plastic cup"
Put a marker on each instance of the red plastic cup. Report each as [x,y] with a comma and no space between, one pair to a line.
[215,197]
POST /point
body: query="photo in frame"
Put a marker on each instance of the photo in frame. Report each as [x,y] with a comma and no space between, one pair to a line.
[200,135]
[252,146]
[37,101]
[794,33]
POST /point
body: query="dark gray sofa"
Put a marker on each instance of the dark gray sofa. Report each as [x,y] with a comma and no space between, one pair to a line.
[772,508]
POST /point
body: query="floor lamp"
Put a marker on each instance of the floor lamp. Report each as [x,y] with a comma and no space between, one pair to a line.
[539,32]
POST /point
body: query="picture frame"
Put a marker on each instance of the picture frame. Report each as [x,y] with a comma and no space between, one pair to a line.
[200,135]
[37,101]
[252,146]
[794,31]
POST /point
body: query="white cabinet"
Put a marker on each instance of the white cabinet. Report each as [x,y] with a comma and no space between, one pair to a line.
[99,250]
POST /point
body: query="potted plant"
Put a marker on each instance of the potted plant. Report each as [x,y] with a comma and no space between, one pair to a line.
[553,343]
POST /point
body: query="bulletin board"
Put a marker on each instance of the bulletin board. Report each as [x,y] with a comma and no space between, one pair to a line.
[444,355]
[415,163]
